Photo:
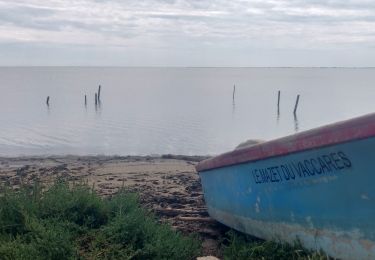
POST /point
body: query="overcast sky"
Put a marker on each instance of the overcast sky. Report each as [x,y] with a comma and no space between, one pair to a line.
[188,32]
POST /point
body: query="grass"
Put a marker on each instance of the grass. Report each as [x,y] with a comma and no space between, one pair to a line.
[75,223]
[240,246]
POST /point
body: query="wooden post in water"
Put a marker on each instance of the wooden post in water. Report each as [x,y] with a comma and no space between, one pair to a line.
[96,98]
[278,102]
[296,105]
[47,101]
[234,91]
[85,100]
[100,87]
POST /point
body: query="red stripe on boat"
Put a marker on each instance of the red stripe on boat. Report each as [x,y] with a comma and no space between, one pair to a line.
[349,130]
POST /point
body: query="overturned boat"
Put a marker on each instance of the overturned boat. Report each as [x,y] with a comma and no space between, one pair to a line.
[317,187]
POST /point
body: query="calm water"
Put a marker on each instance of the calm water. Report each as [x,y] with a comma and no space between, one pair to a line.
[169,110]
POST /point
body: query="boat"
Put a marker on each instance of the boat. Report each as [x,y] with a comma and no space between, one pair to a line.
[316,187]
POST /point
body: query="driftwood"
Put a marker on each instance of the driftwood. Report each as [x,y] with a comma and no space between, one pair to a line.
[175,212]
[197,219]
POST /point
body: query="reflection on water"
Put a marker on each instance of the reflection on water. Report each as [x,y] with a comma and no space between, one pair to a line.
[278,117]
[169,110]
[48,110]
[296,124]
[98,107]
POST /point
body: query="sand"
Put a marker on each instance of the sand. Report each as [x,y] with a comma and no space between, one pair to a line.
[168,185]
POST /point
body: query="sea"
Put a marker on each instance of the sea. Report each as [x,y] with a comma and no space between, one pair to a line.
[154,111]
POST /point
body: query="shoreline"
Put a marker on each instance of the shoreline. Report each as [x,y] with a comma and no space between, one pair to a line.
[168,185]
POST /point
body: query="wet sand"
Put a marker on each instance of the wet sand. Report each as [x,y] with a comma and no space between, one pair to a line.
[168,185]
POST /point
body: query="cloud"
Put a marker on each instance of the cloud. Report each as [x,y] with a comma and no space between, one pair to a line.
[189,24]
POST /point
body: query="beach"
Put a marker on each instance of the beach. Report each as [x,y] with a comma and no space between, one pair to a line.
[168,185]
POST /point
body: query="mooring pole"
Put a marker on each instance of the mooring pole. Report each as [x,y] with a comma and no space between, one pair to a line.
[100,87]
[296,105]
[85,100]
[278,102]
[234,90]
[47,101]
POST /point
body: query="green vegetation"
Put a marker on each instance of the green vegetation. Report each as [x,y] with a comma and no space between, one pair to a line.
[75,223]
[72,222]
[240,246]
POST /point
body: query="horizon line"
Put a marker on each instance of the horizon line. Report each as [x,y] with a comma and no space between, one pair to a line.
[214,67]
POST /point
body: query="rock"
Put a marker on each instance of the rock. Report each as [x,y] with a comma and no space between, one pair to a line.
[207,258]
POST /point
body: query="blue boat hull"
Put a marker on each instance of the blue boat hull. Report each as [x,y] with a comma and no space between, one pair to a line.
[323,197]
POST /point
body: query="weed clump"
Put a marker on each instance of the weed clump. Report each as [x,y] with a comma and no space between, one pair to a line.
[72,222]
[133,232]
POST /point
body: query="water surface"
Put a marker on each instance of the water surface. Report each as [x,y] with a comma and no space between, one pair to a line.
[169,110]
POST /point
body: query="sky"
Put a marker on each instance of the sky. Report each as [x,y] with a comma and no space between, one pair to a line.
[222,33]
